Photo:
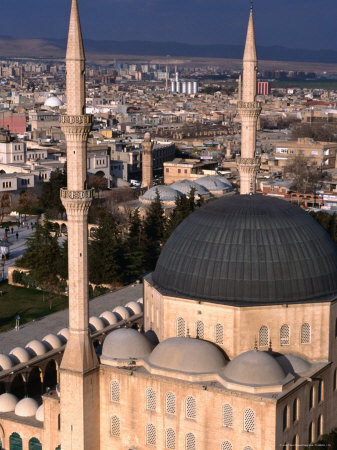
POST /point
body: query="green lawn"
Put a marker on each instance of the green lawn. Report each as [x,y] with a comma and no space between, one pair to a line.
[30,304]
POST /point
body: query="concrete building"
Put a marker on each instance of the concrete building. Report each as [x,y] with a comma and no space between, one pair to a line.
[186,169]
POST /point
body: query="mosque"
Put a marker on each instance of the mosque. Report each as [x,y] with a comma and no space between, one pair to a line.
[237,349]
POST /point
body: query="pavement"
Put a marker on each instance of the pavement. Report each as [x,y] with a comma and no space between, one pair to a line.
[55,322]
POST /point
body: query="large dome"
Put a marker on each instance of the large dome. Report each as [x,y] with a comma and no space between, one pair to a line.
[249,249]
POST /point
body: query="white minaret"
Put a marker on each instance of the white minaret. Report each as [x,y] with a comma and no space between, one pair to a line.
[249,110]
[79,367]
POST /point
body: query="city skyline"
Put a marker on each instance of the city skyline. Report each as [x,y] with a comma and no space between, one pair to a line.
[301,25]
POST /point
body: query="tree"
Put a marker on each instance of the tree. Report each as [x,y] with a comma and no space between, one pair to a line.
[105,252]
[304,174]
[134,250]
[29,203]
[184,206]
[42,258]
[50,198]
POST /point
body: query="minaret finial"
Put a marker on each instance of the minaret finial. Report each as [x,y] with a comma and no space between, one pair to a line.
[251,5]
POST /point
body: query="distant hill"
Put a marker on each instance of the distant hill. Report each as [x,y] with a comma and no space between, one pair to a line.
[55,47]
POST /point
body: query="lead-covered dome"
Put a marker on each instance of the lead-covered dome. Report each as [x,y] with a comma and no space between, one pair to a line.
[254,368]
[187,355]
[125,343]
[249,249]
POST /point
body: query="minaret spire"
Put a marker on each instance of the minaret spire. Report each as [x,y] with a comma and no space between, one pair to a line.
[79,367]
[249,110]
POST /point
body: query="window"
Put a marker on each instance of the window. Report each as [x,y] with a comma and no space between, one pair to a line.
[115,391]
[285,418]
[190,441]
[249,420]
[285,335]
[191,408]
[312,397]
[185,170]
[227,416]
[170,438]
[226,446]
[320,392]
[151,434]
[319,426]
[305,334]
[115,426]
[199,329]
[180,327]
[263,336]
[334,387]
[179,170]
[296,410]
[219,331]
[34,444]
[15,442]
[170,403]
[311,437]
[167,170]
[150,399]
[295,442]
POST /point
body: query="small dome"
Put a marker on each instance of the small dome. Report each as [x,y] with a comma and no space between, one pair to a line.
[36,348]
[52,341]
[40,414]
[293,364]
[7,402]
[64,335]
[5,362]
[188,355]
[254,368]
[96,323]
[110,317]
[134,307]
[20,355]
[126,343]
[26,407]
[212,183]
[53,102]
[166,194]
[185,187]
[121,312]
[140,300]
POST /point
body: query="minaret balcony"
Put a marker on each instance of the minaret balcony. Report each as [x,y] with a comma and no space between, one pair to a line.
[249,105]
[86,194]
[85,119]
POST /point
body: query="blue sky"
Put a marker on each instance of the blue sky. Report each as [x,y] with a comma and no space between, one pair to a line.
[291,23]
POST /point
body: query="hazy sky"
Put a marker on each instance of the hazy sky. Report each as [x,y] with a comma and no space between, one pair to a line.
[290,23]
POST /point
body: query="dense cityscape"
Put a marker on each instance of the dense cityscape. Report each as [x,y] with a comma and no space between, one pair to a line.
[168,252]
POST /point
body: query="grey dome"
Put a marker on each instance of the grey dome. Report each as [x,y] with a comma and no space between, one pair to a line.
[185,187]
[166,193]
[213,183]
[249,249]
[292,363]
[126,343]
[254,368]
[188,355]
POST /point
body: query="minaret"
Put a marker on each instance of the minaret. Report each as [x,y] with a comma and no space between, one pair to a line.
[79,367]
[147,162]
[249,110]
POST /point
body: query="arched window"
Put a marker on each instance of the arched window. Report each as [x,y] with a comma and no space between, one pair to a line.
[312,397]
[218,333]
[285,335]
[170,438]
[115,426]
[285,417]
[170,403]
[311,437]
[319,426]
[15,442]
[320,391]
[296,410]
[305,333]
[227,416]
[115,391]
[191,408]
[199,329]
[190,441]
[151,434]
[181,332]
[34,444]
[58,447]
[226,446]
[264,336]
[150,399]
[295,442]
[249,420]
